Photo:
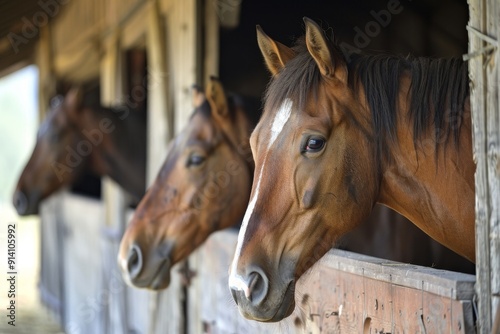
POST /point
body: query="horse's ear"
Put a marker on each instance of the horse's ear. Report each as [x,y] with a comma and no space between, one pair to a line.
[217,97]
[275,54]
[198,96]
[317,46]
[74,99]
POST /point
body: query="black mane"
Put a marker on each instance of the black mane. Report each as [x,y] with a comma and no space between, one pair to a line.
[439,89]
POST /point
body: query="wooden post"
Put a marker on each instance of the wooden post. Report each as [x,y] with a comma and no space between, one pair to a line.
[160,119]
[165,308]
[210,60]
[211,56]
[115,198]
[484,33]
[111,93]
[182,46]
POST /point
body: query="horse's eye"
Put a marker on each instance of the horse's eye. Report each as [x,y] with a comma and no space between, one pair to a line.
[195,160]
[314,144]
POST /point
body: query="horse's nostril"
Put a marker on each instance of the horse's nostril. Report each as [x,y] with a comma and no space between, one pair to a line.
[249,289]
[257,287]
[20,202]
[134,262]
[235,297]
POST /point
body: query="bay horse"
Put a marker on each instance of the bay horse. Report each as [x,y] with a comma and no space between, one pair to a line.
[340,133]
[76,136]
[204,186]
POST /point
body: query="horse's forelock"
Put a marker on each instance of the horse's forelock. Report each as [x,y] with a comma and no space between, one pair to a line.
[299,78]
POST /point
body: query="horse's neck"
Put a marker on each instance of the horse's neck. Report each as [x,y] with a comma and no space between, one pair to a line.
[121,154]
[435,191]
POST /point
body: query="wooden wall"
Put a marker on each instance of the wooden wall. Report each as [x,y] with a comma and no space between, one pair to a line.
[343,293]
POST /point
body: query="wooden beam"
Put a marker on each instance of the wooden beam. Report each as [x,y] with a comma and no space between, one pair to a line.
[111,94]
[211,56]
[160,114]
[182,45]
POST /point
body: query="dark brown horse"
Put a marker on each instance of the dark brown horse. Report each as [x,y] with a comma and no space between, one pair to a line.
[75,137]
[335,138]
[206,174]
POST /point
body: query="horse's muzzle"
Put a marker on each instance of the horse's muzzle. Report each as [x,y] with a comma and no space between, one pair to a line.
[257,301]
[25,205]
[144,272]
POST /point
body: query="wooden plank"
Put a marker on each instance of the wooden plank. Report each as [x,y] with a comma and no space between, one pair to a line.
[166,312]
[441,282]
[407,311]
[484,31]
[165,308]
[160,114]
[182,57]
[84,298]
[210,60]
[463,317]
[51,267]
[114,197]
[492,68]
[211,56]
[134,29]
[478,98]
[209,294]
[343,293]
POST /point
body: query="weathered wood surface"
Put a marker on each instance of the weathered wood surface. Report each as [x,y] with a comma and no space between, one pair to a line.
[51,269]
[484,32]
[209,296]
[344,293]
[81,282]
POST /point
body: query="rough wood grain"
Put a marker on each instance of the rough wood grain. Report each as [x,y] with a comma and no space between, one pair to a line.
[484,76]
[343,293]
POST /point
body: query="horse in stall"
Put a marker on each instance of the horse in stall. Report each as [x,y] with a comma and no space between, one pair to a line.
[204,185]
[339,133]
[77,136]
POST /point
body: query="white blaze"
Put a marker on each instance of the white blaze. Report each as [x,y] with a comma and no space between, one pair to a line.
[236,282]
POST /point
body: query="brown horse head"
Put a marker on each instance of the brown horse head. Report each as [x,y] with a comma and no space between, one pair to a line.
[202,187]
[79,134]
[51,166]
[319,170]
[299,158]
